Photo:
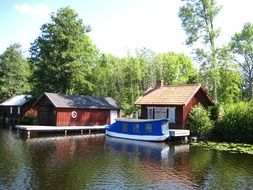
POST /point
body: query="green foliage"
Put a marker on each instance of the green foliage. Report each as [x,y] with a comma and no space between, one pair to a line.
[230,147]
[215,111]
[14,73]
[175,68]
[229,89]
[197,17]
[125,79]
[28,120]
[242,47]
[199,122]
[63,55]
[236,123]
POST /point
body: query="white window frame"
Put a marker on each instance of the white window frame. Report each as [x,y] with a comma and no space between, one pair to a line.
[172,114]
[113,116]
[150,110]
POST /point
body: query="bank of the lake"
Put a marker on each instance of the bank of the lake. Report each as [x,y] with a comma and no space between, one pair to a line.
[224,146]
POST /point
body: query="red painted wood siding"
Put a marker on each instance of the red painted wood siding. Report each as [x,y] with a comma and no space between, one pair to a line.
[85,117]
[199,97]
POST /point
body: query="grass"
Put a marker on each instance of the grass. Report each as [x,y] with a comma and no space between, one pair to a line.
[230,147]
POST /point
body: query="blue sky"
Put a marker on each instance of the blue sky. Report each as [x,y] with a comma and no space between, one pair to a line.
[118,26]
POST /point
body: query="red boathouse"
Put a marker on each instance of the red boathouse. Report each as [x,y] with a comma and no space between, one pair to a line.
[173,102]
[65,110]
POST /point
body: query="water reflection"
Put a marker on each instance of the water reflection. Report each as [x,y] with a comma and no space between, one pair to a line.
[161,165]
[152,151]
[99,162]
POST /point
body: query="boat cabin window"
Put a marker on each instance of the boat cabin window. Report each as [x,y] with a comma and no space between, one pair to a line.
[136,128]
[148,128]
[124,127]
[165,127]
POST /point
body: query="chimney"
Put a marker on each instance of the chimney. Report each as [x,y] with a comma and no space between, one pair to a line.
[159,83]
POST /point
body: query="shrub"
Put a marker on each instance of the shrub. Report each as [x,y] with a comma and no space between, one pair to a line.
[199,122]
[29,119]
[237,123]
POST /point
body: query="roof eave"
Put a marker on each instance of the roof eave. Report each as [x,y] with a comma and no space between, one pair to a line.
[153,103]
[195,91]
[47,95]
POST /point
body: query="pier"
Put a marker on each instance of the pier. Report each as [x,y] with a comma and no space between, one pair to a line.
[32,130]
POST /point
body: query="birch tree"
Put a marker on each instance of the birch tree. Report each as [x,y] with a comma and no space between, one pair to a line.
[197,17]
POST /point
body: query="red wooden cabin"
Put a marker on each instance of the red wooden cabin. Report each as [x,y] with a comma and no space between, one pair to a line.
[173,102]
[65,110]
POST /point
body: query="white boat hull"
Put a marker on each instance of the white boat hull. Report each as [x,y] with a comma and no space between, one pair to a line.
[138,137]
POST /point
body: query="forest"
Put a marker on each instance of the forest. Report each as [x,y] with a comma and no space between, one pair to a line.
[63,59]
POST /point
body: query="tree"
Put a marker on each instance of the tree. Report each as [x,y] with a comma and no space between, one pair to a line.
[14,73]
[197,18]
[229,89]
[242,47]
[62,56]
[175,68]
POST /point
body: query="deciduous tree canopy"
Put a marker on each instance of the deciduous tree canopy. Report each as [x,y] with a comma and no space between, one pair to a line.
[14,73]
[62,56]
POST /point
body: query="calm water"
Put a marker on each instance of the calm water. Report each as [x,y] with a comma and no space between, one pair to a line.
[99,162]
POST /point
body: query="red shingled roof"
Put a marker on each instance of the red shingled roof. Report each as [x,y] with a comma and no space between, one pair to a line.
[169,95]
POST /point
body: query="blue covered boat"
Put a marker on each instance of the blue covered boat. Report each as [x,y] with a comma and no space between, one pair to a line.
[137,129]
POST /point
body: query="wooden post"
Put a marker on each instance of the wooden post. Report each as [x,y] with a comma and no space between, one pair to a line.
[81,132]
[89,131]
[66,132]
[28,134]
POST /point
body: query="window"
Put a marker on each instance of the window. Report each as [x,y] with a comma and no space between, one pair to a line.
[160,112]
[172,115]
[150,113]
[135,128]
[165,127]
[124,127]
[148,128]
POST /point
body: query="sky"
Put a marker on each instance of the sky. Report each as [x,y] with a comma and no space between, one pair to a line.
[118,26]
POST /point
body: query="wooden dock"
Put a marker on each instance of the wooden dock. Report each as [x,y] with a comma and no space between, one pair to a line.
[179,132]
[34,129]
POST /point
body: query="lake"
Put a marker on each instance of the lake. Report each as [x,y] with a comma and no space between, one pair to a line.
[101,162]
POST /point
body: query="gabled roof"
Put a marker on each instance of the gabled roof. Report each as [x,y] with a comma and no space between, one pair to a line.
[17,100]
[170,95]
[90,102]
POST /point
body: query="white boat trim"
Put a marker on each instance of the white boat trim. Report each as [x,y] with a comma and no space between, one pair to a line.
[139,137]
[140,120]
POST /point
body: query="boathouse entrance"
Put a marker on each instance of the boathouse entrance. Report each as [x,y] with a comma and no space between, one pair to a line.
[46,115]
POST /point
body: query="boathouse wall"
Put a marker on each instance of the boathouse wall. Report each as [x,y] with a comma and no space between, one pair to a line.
[82,117]
[50,115]
[199,97]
